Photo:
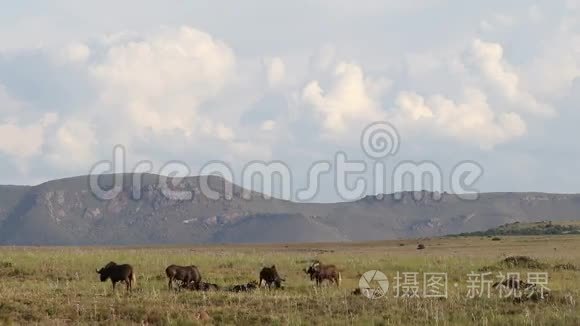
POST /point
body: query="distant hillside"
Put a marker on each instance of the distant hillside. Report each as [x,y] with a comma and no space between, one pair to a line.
[534,228]
[66,212]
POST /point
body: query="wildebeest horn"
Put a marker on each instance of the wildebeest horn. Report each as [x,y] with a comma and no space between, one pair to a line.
[97,270]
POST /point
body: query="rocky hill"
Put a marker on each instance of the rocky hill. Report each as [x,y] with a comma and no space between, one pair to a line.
[66,212]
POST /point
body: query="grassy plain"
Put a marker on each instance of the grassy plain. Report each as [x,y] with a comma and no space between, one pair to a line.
[54,285]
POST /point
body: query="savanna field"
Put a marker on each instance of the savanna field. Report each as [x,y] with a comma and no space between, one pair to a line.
[54,285]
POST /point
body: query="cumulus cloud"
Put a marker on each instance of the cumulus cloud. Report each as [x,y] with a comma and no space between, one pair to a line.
[348,99]
[73,144]
[488,58]
[470,120]
[21,139]
[161,81]
[24,140]
[182,93]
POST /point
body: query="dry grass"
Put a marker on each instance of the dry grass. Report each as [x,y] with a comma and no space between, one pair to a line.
[59,285]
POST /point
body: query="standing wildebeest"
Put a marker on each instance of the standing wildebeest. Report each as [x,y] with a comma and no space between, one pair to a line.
[320,272]
[185,274]
[118,273]
[270,276]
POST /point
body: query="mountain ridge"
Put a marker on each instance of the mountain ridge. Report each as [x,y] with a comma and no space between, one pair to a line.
[66,212]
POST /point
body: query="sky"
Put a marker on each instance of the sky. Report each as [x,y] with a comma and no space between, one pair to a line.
[491,82]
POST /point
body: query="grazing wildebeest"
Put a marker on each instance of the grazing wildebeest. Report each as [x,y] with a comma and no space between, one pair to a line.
[202,286]
[245,287]
[320,272]
[270,276]
[118,273]
[185,274]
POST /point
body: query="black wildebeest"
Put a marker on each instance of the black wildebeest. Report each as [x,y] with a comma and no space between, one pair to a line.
[202,286]
[245,287]
[185,274]
[320,272]
[118,273]
[270,276]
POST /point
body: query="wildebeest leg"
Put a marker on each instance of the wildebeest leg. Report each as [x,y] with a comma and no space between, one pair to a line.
[128,283]
[114,283]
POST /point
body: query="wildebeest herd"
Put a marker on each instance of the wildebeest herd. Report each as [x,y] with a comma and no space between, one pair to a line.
[189,277]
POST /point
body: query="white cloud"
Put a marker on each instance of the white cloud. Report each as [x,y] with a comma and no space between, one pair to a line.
[349,99]
[413,106]
[161,81]
[489,60]
[23,141]
[73,145]
[470,120]
[180,93]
